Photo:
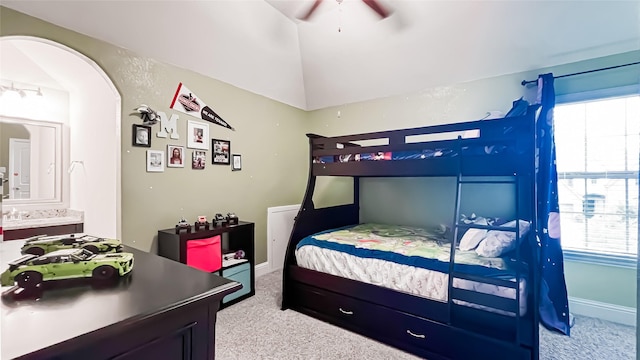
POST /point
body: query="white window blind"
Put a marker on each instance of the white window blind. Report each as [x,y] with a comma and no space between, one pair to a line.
[597,147]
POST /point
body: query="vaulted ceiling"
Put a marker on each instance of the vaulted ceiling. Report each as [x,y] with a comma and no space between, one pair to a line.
[345,52]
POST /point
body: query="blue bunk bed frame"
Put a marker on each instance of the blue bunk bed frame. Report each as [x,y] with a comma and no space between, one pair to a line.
[424,327]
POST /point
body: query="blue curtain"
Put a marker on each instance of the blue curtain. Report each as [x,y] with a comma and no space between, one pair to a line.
[554,304]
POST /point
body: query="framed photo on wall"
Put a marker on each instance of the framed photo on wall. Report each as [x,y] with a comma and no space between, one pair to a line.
[198,159]
[141,135]
[197,135]
[175,156]
[155,161]
[221,152]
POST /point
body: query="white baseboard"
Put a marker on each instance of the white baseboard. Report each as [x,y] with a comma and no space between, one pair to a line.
[262,269]
[596,309]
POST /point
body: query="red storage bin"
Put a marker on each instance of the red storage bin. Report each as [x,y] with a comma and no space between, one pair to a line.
[205,254]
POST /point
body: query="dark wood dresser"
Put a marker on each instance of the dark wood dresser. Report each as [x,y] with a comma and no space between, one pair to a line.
[162,310]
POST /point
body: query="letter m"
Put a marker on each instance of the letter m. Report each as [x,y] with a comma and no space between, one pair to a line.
[168,126]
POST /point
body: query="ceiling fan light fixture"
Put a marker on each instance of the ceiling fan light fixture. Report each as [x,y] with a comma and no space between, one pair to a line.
[372,4]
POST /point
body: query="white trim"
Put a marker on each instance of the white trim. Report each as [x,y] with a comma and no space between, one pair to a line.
[621,261]
[598,94]
[605,311]
[117,114]
[601,258]
[270,212]
[262,269]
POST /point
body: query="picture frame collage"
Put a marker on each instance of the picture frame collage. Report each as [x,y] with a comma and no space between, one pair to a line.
[176,155]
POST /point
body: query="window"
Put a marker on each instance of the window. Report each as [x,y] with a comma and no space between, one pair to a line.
[597,146]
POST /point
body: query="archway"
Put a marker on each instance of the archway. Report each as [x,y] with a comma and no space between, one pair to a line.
[92,154]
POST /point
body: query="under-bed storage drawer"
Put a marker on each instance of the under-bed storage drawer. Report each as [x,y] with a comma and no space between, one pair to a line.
[343,309]
[414,331]
[423,336]
[449,342]
[441,339]
[470,345]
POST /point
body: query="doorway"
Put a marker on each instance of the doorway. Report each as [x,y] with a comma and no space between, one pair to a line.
[19,168]
[93,105]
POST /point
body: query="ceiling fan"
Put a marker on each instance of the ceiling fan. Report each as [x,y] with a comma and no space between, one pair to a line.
[373,4]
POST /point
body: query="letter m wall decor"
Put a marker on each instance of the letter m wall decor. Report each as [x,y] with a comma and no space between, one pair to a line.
[168,126]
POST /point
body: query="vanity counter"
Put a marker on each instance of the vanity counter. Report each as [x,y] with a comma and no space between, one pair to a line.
[42,222]
[39,223]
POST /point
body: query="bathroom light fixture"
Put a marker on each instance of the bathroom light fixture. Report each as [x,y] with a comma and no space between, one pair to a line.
[16,90]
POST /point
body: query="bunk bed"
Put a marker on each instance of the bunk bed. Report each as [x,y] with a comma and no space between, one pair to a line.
[479,303]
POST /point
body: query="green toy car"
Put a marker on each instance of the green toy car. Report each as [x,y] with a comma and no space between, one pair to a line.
[31,270]
[40,245]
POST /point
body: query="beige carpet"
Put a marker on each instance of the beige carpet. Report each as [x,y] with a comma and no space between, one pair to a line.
[256,328]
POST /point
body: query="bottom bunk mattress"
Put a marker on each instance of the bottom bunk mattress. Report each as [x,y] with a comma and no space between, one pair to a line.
[406,259]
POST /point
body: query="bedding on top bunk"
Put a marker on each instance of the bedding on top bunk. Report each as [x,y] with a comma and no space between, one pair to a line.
[407,259]
[415,154]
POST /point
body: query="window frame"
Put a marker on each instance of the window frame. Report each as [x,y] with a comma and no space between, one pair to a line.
[617,260]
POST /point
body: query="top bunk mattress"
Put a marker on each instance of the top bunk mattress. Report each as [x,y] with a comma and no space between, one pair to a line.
[418,154]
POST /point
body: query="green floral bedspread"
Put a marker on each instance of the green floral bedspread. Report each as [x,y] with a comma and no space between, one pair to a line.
[408,241]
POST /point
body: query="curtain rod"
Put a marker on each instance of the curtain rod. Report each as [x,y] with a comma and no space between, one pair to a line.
[525,82]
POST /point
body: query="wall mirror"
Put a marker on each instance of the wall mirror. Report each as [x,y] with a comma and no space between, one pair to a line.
[30,161]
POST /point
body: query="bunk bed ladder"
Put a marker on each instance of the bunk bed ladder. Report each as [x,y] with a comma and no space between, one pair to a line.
[514,179]
[518,217]
[454,241]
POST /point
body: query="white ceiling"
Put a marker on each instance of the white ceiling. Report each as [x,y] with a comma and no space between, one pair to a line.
[18,64]
[260,46]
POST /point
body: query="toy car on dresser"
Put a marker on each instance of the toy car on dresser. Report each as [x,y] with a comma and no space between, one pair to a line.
[40,245]
[30,270]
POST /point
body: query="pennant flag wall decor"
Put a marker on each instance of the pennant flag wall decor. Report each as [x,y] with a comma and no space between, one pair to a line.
[185,101]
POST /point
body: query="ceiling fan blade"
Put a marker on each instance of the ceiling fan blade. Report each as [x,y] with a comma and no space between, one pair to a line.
[311,10]
[375,6]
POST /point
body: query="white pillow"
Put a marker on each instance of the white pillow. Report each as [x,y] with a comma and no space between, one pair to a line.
[473,237]
[498,243]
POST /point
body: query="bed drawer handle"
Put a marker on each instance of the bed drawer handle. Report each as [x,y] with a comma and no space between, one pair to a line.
[345,312]
[421,336]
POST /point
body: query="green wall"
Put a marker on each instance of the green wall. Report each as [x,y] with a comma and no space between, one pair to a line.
[276,174]
[269,135]
[608,284]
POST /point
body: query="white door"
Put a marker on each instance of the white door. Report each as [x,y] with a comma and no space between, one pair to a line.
[19,169]
[279,225]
